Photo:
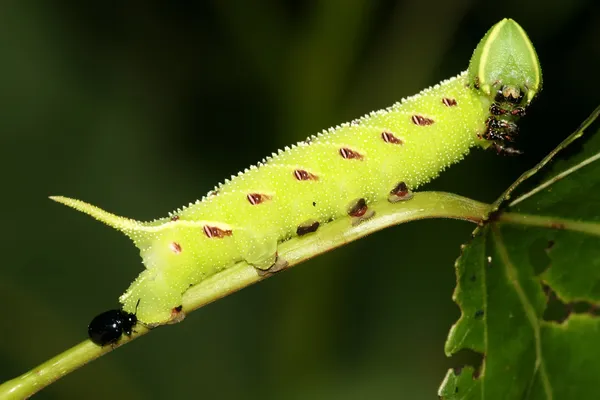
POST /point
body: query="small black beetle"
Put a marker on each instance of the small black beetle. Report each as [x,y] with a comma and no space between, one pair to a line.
[108,327]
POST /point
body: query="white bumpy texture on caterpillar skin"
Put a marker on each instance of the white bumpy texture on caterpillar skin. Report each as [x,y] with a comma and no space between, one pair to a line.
[337,174]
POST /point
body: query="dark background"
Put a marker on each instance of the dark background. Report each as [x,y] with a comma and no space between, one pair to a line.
[140,107]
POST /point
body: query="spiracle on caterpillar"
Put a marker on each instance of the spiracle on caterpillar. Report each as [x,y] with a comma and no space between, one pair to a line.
[340,173]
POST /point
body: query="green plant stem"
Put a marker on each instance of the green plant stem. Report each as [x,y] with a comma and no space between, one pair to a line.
[294,251]
[551,222]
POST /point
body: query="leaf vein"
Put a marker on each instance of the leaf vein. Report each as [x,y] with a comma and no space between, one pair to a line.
[556,178]
[512,275]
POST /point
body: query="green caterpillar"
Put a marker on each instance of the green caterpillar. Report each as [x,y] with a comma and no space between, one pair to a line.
[336,174]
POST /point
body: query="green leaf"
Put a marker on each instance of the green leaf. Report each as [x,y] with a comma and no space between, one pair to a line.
[528,284]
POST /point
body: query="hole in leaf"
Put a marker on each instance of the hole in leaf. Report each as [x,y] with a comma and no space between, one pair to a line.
[467,357]
[558,311]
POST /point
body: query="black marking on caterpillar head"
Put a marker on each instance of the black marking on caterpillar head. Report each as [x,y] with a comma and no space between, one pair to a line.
[495,109]
[501,126]
[175,247]
[400,192]
[314,203]
[448,102]
[303,175]
[257,198]
[500,130]
[349,154]
[307,227]
[216,232]
[421,120]
[389,137]
[518,112]
[508,127]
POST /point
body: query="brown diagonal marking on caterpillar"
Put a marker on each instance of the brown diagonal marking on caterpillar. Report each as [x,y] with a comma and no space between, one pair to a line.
[303,175]
[216,232]
[389,137]
[175,247]
[257,198]
[350,154]
[421,120]
[448,102]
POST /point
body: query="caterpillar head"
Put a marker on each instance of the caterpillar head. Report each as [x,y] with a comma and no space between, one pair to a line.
[505,66]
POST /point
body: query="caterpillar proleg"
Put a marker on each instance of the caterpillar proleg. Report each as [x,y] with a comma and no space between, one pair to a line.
[338,173]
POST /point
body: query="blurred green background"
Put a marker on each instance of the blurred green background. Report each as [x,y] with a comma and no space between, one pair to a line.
[140,107]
